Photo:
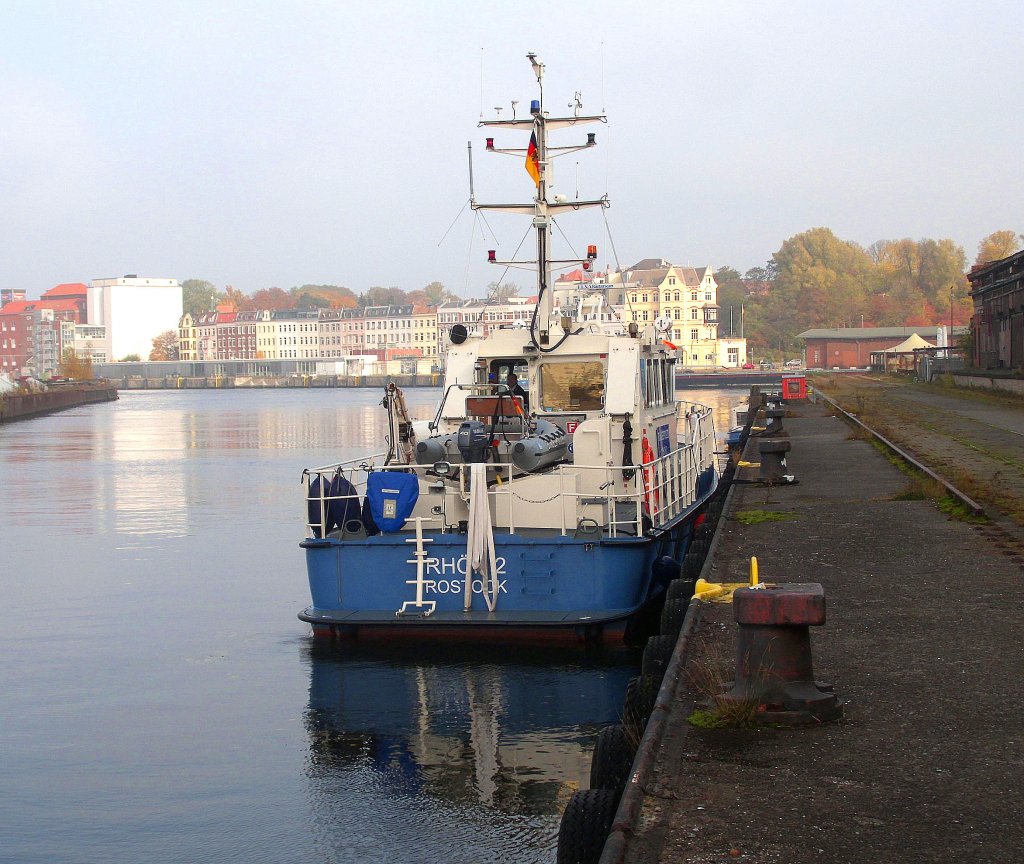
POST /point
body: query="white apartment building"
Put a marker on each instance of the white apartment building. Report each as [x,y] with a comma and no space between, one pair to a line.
[341,332]
[134,311]
[288,334]
[396,330]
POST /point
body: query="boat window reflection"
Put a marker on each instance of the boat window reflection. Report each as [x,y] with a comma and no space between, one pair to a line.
[572,386]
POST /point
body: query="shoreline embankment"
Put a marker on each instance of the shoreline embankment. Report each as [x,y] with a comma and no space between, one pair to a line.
[24,405]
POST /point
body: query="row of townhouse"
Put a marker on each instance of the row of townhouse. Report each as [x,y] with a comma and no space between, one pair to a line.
[684,298]
[306,334]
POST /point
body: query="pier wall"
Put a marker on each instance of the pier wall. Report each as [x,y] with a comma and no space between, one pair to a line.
[989,382]
[20,406]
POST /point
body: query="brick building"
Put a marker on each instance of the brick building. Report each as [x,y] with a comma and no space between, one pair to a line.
[851,347]
[997,289]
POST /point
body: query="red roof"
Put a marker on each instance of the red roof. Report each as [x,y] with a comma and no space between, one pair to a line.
[16,307]
[67,289]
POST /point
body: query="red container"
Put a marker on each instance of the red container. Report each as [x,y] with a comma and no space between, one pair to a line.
[794,387]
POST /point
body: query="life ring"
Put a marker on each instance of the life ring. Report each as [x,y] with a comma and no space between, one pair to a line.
[647,457]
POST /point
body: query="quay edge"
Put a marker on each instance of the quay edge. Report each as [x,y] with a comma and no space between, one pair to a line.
[23,406]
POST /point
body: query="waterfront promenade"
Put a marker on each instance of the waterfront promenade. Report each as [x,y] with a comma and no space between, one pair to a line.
[922,644]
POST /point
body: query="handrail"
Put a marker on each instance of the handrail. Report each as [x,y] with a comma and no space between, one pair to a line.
[670,487]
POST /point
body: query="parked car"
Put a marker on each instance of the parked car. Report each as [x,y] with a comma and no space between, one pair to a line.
[793,364]
[748,365]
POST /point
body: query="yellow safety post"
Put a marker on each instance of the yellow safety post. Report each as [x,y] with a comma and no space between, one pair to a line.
[755,581]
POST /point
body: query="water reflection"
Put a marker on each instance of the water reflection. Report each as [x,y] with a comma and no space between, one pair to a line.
[136,466]
[490,749]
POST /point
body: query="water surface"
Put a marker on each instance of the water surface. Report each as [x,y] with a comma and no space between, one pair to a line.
[162,703]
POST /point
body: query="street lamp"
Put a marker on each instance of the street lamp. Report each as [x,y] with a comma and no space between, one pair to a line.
[949,339]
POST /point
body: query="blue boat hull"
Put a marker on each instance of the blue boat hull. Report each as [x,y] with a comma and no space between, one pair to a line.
[550,587]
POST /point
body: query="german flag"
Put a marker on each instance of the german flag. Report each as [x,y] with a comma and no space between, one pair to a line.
[533,160]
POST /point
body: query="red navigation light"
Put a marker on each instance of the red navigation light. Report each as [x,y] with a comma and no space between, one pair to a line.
[490,143]
[592,251]
[491,256]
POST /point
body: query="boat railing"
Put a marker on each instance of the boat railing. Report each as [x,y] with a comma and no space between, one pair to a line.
[628,500]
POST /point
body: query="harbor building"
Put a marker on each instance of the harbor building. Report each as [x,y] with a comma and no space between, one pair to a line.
[134,311]
[997,289]
[851,347]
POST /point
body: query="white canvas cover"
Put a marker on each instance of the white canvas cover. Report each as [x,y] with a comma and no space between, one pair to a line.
[909,344]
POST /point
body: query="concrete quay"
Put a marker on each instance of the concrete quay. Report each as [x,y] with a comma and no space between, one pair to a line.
[23,405]
[921,643]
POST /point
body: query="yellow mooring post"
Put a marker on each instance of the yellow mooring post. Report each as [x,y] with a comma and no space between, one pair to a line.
[753,571]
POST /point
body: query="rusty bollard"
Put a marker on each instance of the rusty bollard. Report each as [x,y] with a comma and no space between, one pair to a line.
[773,460]
[773,654]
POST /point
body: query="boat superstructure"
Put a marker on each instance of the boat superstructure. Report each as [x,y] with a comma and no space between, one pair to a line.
[554,490]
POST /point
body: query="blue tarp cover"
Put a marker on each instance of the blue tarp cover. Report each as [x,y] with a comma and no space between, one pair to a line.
[392,495]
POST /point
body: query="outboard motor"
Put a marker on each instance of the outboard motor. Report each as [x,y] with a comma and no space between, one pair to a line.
[473,441]
[546,446]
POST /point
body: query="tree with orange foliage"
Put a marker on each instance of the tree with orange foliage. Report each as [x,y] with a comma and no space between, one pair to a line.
[165,346]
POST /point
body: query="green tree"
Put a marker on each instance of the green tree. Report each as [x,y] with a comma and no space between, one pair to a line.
[821,281]
[378,296]
[130,358]
[500,293]
[198,296]
[731,297]
[942,265]
[436,293]
[325,296]
[999,244]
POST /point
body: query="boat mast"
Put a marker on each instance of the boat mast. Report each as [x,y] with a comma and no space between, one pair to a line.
[541,209]
[542,218]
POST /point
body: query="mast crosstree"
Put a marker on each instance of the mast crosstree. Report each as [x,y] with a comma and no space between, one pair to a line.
[541,209]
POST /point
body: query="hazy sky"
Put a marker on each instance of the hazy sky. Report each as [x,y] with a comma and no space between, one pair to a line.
[263,144]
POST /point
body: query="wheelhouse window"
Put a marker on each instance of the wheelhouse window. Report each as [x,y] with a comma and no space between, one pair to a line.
[572,386]
[657,380]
